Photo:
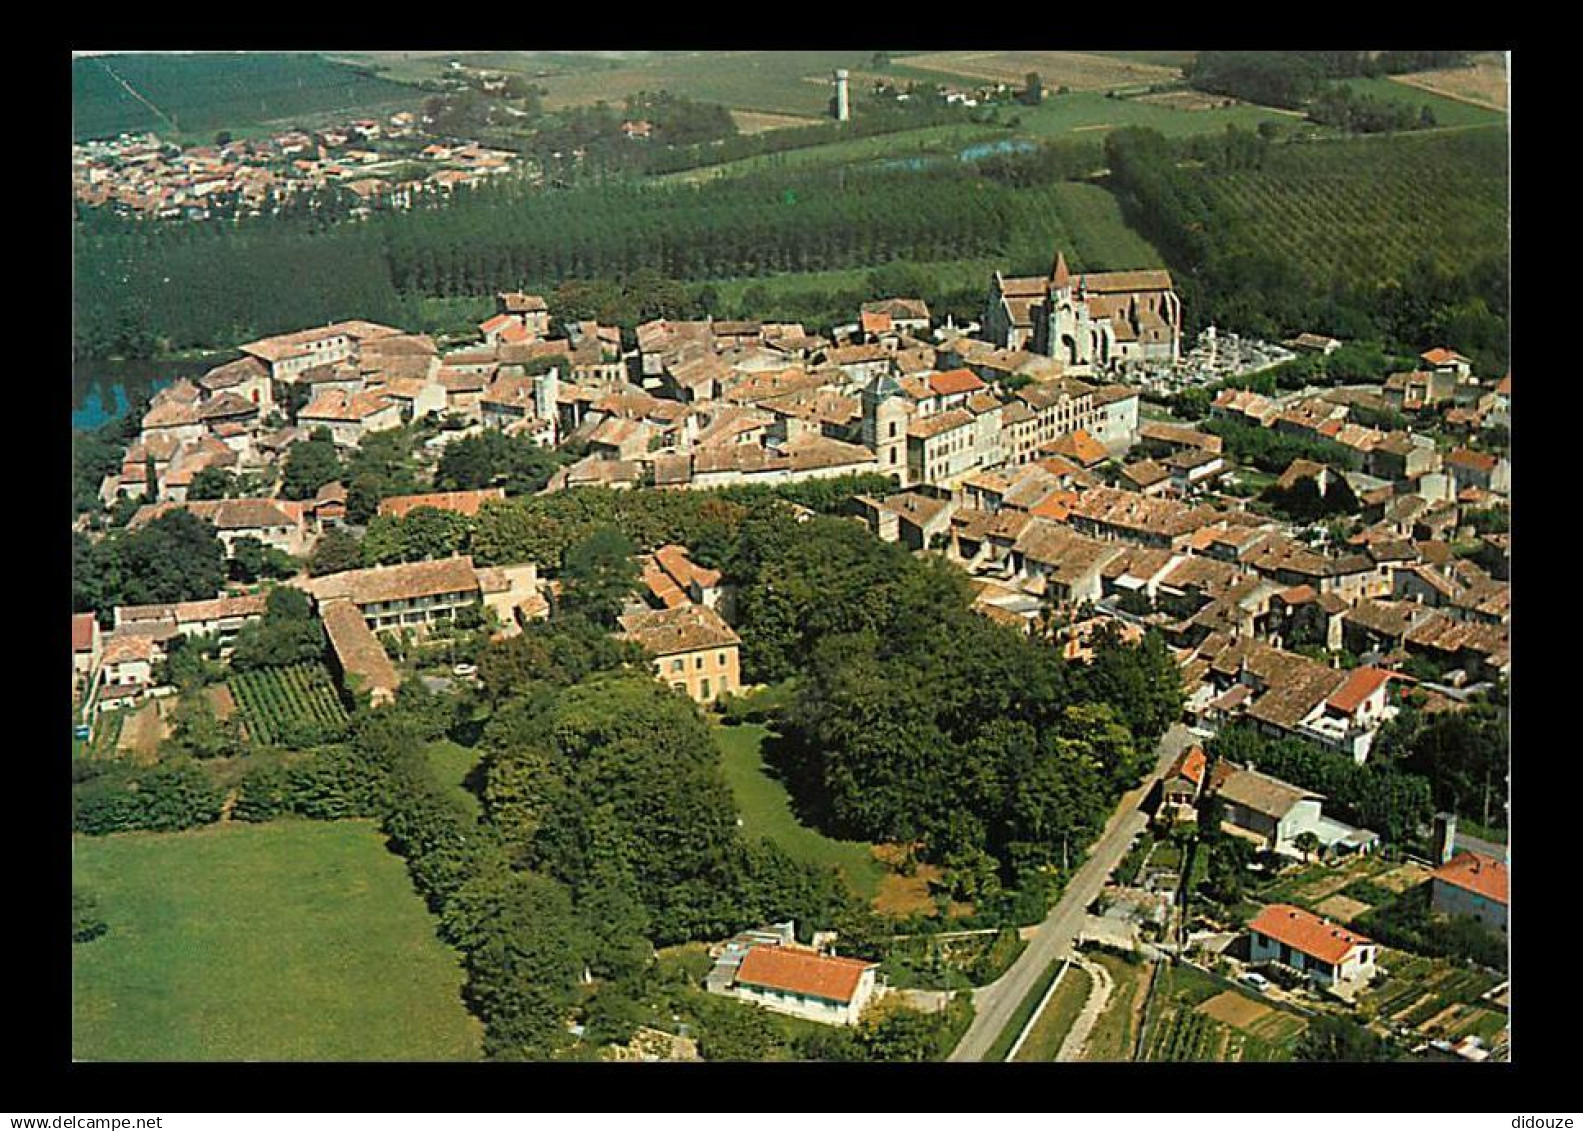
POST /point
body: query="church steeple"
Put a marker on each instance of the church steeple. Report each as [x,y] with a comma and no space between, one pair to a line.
[1059,275]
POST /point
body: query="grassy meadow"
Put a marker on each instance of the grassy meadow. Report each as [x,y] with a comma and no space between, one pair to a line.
[293,940]
[766,812]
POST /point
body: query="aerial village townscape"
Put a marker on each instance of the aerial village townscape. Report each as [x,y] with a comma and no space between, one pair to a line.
[557,656]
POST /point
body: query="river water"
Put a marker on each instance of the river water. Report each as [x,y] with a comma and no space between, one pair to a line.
[100,389]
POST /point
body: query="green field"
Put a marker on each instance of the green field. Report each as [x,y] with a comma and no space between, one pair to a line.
[293,940]
[1448,112]
[190,96]
[452,763]
[765,808]
[1368,209]
[1055,1021]
[1091,114]
[939,140]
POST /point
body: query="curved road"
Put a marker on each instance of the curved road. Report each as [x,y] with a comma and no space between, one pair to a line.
[995,1003]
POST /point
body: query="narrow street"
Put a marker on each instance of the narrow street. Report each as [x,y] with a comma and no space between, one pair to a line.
[996,1002]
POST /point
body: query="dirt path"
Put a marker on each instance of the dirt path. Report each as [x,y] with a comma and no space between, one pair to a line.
[134,93]
[1076,1042]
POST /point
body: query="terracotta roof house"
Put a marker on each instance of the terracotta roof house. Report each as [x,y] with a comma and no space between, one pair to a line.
[1474,885]
[409,595]
[694,649]
[806,984]
[1329,953]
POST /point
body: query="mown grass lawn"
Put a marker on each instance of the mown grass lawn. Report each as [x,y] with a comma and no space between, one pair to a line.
[293,940]
[766,812]
[452,763]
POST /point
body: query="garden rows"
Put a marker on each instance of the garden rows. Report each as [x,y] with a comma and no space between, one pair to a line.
[276,700]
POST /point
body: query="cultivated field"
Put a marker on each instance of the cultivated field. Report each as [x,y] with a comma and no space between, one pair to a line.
[766,812]
[144,729]
[1196,1017]
[1369,210]
[195,95]
[294,940]
[1056,69]
[1434,997]
[773,82]
[1482,83]
[758,122]
[274,701]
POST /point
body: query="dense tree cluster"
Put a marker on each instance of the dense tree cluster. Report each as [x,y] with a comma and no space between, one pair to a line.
[1347,110]
[1292,79]
[1272,451]
[1464,754]
[176,557]
[287,633]
[916,719]
[493,459]
[120,797]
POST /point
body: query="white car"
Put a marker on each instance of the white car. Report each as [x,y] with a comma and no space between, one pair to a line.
[465,669]
[1257,981]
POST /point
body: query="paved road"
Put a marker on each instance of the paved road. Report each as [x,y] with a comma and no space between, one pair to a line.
[996,1002]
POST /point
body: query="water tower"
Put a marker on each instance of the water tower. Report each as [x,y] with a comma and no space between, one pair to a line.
[843,104]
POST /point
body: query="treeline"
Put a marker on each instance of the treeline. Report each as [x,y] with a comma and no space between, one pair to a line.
[541,528]
[1229,279]
[137,286]
[1341,107]
[1292,79]
[880,117]
[499,236]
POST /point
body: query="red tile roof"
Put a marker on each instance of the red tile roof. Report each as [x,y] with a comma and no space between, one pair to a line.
[1466,457]
[1190,764]
[1441,356]
[954,381]
[1078,446]
[1362,683]
[1474,872]
[81,632]
[460,502]
[1306,932]
[802,972]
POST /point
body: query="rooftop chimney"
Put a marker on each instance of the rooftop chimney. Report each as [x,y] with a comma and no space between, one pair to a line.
[1445,837]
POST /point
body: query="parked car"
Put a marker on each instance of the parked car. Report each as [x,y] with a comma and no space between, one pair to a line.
[1257,981]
